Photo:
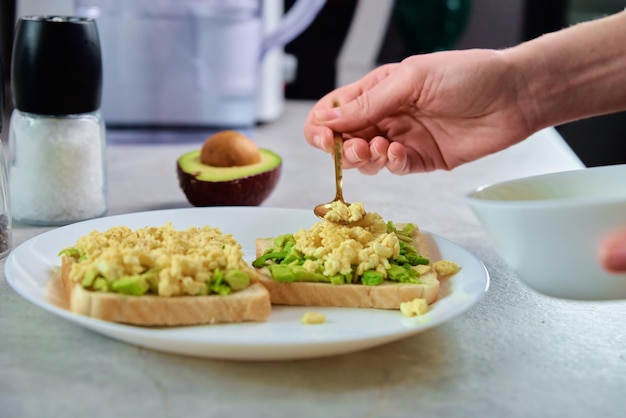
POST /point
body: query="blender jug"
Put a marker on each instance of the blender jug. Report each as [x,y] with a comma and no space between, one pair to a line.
[186,63]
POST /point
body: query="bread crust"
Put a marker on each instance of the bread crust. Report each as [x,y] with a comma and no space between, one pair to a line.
[388,295]
[250,304]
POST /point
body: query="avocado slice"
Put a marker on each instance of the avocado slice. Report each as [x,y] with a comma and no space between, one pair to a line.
[246,185]
[131,285]
[237,279]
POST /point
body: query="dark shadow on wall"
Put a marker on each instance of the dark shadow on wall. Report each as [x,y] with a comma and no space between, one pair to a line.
[414,27]
[600,140]
[317,50]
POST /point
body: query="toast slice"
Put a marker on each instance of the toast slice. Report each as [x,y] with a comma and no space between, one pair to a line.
[388,295]
[249,304]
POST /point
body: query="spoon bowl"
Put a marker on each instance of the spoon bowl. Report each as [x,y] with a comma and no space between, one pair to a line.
[323,209]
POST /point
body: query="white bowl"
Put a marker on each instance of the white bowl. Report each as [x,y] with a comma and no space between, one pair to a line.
[548,228]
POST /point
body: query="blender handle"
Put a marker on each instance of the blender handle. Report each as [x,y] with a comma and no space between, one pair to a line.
[293,23]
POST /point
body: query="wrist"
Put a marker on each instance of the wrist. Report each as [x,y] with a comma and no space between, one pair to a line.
[525,78]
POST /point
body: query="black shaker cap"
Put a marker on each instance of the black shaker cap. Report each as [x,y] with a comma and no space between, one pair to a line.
[56,65]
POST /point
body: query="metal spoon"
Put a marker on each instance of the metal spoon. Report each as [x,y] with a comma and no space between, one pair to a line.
[322,209]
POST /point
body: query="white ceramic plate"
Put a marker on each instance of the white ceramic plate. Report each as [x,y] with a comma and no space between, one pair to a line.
[31,267]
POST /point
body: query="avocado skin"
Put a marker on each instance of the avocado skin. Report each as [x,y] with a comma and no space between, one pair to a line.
[250,190]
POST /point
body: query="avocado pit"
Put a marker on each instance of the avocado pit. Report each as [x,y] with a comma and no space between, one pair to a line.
[229,149]
[229,170]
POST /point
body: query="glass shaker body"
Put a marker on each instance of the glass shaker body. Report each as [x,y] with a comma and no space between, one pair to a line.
[57,168]
[5,215]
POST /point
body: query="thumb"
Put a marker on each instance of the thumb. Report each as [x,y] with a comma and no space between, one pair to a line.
[367,101]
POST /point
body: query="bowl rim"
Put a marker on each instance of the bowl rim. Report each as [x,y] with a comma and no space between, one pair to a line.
[619,197]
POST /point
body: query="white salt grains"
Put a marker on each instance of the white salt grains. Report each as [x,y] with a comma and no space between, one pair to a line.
[57,168]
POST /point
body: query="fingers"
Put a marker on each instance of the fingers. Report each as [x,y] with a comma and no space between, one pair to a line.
[361,104]
[378,156]
[323,140]
[317,135]
[373,156]
[369,157]
[612,252]
[355,113]
[398,159]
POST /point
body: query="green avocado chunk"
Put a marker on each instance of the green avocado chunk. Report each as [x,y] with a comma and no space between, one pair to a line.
[76,253]
[131,285]
[402,274]
[90,277]
[295,273]
[101,285]
[372,278]
[236,279]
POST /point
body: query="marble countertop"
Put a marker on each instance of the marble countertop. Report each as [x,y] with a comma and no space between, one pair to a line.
[515,353]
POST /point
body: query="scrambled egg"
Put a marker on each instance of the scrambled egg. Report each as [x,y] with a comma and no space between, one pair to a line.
[415,307]
[342,212]
[365,246]
[185,259]
[313,318]
[446,267]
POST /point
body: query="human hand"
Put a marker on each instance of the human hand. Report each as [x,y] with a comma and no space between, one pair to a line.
[428,112]
[612,252]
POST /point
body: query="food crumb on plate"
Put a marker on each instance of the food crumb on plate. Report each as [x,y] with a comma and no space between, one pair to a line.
[313,318]
[446,267]
[415,307]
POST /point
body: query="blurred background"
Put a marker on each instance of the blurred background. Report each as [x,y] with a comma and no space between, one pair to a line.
[349,37]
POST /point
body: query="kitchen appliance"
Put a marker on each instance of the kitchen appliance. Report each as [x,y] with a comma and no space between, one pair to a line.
[193,63]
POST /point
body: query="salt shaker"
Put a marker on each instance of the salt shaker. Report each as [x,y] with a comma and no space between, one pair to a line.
[57,169]
[5,217]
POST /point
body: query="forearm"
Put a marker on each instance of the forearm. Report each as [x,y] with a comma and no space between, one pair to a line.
[572,74]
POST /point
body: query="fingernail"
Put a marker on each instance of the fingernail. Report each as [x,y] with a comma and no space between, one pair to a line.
[614,259]
[318,141]
[391,156]
[326,115]
[355,156]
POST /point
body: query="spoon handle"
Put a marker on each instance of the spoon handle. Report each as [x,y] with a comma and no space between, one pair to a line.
[338,158]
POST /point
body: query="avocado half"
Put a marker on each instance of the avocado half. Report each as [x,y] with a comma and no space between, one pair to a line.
[246,185]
